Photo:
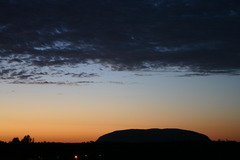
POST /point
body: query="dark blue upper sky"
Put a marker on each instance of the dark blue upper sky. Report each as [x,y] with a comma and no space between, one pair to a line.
[200,35]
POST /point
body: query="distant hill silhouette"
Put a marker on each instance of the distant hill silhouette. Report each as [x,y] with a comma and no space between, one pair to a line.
[153,136]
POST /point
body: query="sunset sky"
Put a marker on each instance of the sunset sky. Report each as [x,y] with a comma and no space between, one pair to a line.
[71,71]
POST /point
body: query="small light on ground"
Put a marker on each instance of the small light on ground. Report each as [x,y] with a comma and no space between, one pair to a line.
[76,157]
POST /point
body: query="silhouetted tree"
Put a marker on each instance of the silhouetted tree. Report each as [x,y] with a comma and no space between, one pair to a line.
[15,140]
[2,142]
[27,139]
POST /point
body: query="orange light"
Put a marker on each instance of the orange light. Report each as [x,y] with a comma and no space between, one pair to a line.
[76,157]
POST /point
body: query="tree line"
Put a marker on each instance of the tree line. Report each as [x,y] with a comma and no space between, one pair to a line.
[25,139]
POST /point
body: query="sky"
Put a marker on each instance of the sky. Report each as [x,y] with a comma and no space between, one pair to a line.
[71,71]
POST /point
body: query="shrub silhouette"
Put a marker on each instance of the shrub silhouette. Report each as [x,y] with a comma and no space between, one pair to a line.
[27,139]
[15,140]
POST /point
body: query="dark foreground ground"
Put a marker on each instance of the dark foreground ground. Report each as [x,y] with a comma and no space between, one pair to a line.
[116,151]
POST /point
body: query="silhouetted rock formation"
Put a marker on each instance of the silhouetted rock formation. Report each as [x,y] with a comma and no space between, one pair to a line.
[153,136]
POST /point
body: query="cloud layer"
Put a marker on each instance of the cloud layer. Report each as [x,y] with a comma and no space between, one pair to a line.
[202,36]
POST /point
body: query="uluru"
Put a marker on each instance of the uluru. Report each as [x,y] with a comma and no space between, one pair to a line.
[153,136]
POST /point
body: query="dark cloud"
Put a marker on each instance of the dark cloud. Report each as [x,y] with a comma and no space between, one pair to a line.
[55,83]
[25,71]
[63,83]
[83,75]
[200,35]
[8,74]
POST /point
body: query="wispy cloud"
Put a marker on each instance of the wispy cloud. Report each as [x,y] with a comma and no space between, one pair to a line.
[53,83]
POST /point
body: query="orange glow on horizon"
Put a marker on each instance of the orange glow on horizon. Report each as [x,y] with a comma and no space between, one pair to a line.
[86,135]
[84,113]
